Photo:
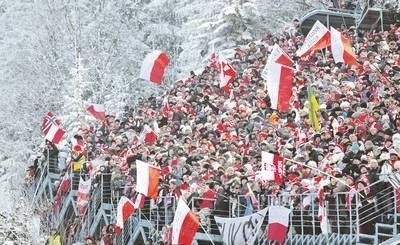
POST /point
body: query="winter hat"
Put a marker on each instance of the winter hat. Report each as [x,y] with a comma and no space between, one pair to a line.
[312,164]
[393,152]
[78,148]
[396,165]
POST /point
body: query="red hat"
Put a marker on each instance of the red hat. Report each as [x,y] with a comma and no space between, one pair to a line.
[292,177]
[317,179]
[78,148]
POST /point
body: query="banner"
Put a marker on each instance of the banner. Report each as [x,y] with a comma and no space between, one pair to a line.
[241,230]
[272,167]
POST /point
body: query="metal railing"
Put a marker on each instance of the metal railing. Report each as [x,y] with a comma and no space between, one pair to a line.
[345,221]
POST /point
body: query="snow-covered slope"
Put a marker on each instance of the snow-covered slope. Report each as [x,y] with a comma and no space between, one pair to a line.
[18,223]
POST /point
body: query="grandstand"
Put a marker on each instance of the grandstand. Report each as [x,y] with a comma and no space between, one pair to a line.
[191,151]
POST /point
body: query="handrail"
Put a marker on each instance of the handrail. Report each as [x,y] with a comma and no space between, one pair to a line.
[304,220]
[41,179]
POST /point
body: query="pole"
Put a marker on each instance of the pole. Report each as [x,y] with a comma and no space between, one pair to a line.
[205,231]
[322,172]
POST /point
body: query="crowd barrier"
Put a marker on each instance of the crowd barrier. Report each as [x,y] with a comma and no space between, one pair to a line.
[346,220]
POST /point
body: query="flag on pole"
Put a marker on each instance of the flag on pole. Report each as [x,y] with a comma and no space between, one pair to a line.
[278,56]
[97,111]
[227,76]
[185,224]
[51,128]
[165,108]
[341,48]
[278,221]
[147,179]
[213,60]
[125,209]
[317,39]
[322,212]
[154,66]
[253,197]
[313,108]
[147,135]
[83,196]
[272,167]
[279,76]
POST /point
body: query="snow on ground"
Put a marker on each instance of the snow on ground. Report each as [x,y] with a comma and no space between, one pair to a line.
[18,223]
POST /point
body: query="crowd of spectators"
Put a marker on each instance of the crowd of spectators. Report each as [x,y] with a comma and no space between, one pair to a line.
[209,143]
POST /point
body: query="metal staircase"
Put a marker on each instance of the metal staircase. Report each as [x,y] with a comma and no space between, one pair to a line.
[364,16]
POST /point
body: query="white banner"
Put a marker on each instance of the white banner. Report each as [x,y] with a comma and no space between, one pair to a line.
[241,230]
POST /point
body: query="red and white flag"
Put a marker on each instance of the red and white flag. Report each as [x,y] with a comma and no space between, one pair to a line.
[341,48]
[125,209]
[318,38]
[51,128]
[139,201]
[154,66]
[253,197]
[185,224]
[165,108]
[213,60]
[322,212]
[227,76]
[147,135]
[97,111]
[279,76]
[277,56]
[272,167]
[278,221]
[83,196]
[147,179]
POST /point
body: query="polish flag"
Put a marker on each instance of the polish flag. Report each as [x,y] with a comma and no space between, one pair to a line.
[341,48]
[272,166]
[253,197]
[83,196]
[154,66]
[185,224]
[318,38]
[125,209]
[279,76]
[147,179]
[139,201]
[213,60]
[51,128]
[165,108]
[97,111]
[227,76]
[147,135]
[277,56]
[322,217]
[278,221]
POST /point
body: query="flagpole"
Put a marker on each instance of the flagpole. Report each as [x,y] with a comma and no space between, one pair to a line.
[322,172]
[202,227]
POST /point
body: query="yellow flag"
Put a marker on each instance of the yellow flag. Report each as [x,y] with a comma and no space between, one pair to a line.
[313,108]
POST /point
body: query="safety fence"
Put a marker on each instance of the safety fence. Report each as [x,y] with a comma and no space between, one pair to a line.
[350,216]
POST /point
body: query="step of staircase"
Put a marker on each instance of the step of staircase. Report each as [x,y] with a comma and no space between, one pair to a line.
[366,239]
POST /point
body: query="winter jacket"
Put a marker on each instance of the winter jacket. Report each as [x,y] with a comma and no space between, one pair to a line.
[54,240]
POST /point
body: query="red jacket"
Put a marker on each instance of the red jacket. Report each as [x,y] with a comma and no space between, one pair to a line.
[208,195]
